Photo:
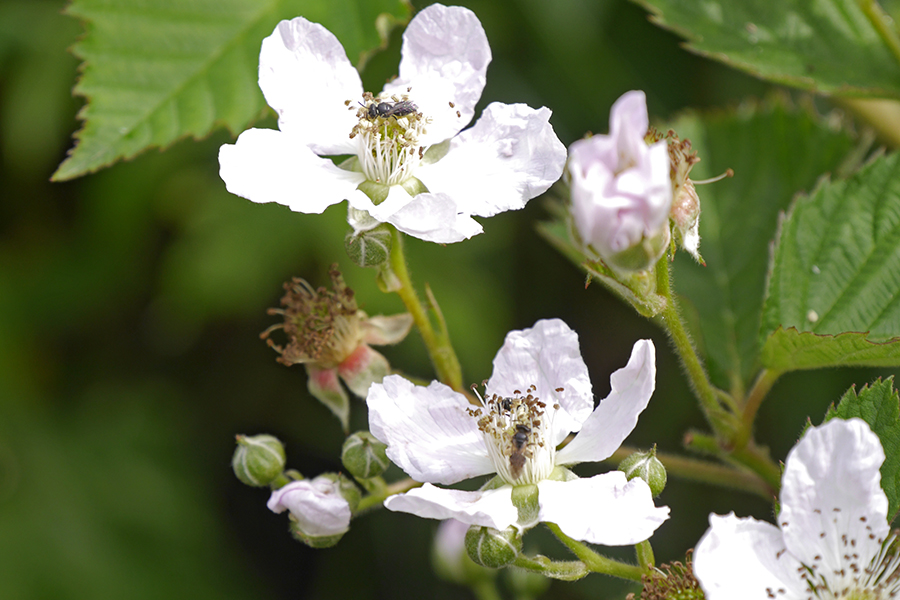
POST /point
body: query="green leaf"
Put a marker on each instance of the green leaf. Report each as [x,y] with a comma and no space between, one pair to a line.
[156,71]
[775,151]
[790,350]
[836,269]
[829,46]
[879,406]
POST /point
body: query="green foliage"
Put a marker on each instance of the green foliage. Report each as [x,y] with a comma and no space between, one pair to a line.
[775,151]
[156,71]
[878,405]
[831,46]
[836,269]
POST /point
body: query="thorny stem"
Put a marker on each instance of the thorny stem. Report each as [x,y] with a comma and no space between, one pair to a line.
[704,471]
[596,562]
[723,423]
[443,357]
[375,500]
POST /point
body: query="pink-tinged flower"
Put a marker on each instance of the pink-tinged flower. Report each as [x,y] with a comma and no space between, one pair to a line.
[411,164]
[830,538]
[332,338]
[538,394]
[316,505]
[621,189]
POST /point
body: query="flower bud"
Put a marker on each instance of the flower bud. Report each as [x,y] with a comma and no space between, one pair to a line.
[320,508]
[369,248]
[491,548]
[258,460]
[364,456]
[621,190]
[450,558]
[646,466]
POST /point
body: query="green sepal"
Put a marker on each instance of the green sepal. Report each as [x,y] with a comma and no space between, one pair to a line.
[525,499]
[369,248]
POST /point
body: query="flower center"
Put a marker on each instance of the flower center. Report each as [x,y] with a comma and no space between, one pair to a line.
[877,580]
[515,428]
[388,134]
[322,326]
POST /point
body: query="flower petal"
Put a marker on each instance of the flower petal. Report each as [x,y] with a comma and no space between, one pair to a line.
[616,416]
[629,121]
[745,559]
[548,357]
[605,509]
[265,165]
[306,77]
[831,496]
[362,368]
[510,156]
[445,56]
[317,505]
[382,330]
[428,432]
[435,218]
[491,508]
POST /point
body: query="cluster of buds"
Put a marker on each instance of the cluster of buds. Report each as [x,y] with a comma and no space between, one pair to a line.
[320,508]
[331,337]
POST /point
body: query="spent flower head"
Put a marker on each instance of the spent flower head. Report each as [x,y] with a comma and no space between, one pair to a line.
[832,539]
[621,189]
[539,392]
[331,337]
[411,164]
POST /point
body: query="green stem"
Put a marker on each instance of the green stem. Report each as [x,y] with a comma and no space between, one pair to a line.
[758,393]
[644,552]
[881,114]
[704,471]
[485,589]
[723,423]
[880,20]
[750,457]
[443,357]
[565,570]
[595,562]
[376,500]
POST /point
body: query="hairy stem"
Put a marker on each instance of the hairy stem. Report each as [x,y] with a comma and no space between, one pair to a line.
[723,422]
[443,357]
[595,562]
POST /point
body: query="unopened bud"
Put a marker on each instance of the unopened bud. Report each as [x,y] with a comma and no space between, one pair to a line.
[258,460]
[369,248]
[491,548]
[646,466]
[364,456]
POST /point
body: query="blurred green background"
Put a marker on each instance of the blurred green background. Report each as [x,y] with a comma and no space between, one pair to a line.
[131,303]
